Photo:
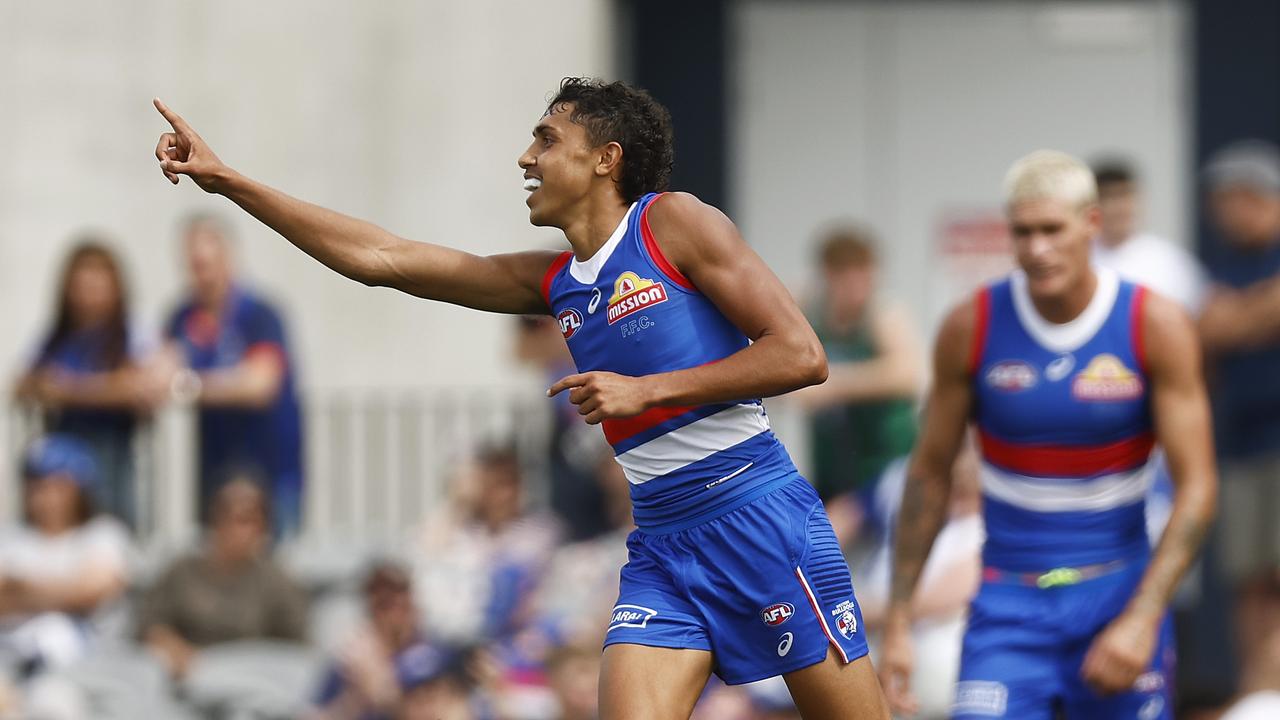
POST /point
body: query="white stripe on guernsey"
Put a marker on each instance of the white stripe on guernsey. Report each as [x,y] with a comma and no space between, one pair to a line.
[822,620]
[698,440]
[1105,492]
[1071,335]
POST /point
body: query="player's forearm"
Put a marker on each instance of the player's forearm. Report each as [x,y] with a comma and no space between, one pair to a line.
[350,246]
[772,365]
[923,513]
[1193,511]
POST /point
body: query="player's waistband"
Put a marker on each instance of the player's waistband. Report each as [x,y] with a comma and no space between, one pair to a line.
[1056,577]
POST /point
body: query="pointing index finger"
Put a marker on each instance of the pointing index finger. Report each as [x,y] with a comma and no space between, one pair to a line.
[174,118]
[564,383]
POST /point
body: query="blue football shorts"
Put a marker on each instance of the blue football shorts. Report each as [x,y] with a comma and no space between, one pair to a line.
[1024,648]
[764,588]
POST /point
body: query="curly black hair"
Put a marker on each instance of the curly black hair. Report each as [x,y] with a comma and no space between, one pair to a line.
[625,114]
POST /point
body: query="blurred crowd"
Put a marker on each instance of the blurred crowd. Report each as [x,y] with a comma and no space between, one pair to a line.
[496,604]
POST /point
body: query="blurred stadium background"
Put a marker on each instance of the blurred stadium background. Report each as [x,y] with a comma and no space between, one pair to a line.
[788,115]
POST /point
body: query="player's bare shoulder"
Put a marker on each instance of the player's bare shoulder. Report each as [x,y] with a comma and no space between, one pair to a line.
[1168,335]
[690,230]
[959,340]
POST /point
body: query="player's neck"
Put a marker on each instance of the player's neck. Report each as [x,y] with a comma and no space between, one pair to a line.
[592,227]
[1063,308]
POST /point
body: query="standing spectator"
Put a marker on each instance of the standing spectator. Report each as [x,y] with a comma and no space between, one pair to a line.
[64,567]
[1240,330]
[863,417]
[229,590]
[363,684]
[573,445]
[88,376]
[241,376]
[1140,256]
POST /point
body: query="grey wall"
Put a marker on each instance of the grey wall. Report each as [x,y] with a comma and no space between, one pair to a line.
[907,114]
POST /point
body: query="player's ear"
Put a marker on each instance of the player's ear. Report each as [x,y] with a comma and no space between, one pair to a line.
[610,159]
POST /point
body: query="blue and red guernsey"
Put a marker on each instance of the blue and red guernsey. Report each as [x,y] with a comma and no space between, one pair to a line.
[629,311]
[1064,424]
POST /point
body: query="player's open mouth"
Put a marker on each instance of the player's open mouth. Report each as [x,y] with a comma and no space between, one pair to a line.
[531,184]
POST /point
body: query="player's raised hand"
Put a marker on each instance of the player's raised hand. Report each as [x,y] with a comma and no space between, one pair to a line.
[1119,654]
[897,661]
[184,152]
[603,395]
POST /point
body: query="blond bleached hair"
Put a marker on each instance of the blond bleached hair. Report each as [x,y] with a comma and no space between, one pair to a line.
[1050,174]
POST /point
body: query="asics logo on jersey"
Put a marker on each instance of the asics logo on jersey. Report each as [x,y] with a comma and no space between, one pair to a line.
[777,613]
[1106,379]
[595,302]
[632,293]
[1012,376]
[570,320]
[1060,367]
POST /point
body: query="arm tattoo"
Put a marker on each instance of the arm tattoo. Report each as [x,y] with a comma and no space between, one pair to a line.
[924,509]
[1178,548]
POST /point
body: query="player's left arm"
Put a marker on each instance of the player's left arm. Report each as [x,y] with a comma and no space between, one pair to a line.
[706,247]
[1180,409]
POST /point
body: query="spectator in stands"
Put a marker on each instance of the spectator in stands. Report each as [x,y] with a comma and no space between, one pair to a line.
[433,688]
[574,671]
[229,590]
[241,375]
[477,561]
[948,583]
[573,445]
[363,684]
[64,568]
[89,375]
[1136,255]
[1240,331]
[863,417]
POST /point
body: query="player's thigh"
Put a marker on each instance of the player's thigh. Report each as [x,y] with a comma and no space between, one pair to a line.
[836,690]
[638,682]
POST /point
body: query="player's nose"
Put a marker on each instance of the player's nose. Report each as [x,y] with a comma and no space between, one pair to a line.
[525,161]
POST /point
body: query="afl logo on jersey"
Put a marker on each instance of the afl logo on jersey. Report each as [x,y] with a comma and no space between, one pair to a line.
[632,293]
[1012,376]
[1106,379]
[570,320]
[777,613]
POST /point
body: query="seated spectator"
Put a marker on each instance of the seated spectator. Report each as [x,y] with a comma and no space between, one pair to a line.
[478,560]
[574,673]
[363,684]
[89,376]
[64,568]
[949,581]
[433,688]
[229,590]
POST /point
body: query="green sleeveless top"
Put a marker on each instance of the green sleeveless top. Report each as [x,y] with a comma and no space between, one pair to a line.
[851,444]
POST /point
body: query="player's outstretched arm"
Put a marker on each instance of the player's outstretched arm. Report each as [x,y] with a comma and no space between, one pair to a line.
[357,249]
[924,498]
[1180,408]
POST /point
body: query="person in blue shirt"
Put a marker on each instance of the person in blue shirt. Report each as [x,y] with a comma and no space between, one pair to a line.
[88,377]
[1240,330]
[240,375]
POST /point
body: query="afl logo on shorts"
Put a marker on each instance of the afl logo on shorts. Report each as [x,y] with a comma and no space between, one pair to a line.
[570,320]
[777,613]
[1012,376]
[632,293]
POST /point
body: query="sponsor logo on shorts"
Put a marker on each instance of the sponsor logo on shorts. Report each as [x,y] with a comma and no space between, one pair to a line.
[980,697]
[784,644]
[777,613]
[1012,376]
[846,620]
[570,321]
[1149,681]
[630,616]
[1106,379]
[631,294]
